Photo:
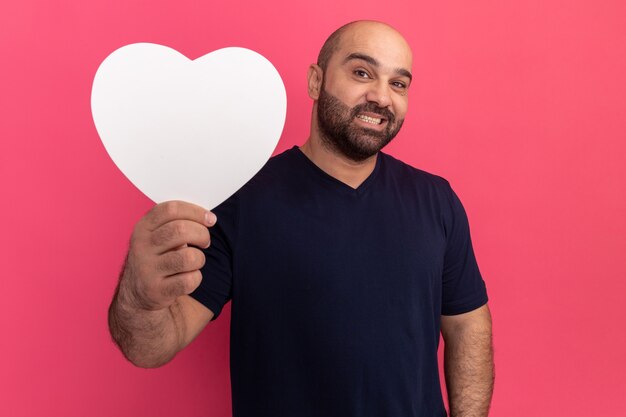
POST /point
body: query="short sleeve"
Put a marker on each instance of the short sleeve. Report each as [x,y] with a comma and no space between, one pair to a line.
[215,290]
[463,288]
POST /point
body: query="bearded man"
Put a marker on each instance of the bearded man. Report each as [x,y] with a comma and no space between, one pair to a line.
[343,264]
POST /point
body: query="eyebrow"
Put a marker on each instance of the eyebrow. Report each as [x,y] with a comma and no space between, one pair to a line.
[372,61]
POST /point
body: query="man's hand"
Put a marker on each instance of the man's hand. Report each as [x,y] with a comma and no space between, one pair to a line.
[163,260]
[151,317]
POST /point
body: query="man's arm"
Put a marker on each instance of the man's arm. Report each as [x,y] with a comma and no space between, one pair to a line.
[152,317]
[468,362]
[149,338]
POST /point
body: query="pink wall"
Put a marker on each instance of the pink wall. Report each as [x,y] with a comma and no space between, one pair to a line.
[520,104]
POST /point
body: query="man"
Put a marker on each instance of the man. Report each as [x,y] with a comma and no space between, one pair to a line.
[342,264]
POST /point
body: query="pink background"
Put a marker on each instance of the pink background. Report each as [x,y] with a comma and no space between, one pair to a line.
[520,104]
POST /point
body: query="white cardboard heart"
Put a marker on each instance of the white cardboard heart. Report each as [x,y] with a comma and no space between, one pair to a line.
[188,130]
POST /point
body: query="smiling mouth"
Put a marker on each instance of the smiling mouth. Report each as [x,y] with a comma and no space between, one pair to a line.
[371,120]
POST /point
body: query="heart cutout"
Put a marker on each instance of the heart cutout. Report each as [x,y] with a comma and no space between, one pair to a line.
[192,130]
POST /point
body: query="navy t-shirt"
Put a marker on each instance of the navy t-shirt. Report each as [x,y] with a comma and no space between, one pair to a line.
[336,292]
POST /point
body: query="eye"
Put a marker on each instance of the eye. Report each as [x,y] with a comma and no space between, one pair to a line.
[400,85]
[361,73]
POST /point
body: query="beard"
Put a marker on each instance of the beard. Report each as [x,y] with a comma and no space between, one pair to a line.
[340,134]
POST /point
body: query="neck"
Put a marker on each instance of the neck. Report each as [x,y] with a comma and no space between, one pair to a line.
[335,164]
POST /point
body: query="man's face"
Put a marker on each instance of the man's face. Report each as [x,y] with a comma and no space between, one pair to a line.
[363,99]
[355,141]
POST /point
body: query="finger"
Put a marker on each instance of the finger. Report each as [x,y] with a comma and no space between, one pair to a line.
[179,233]
[180,284]
[178,210]
[179,261]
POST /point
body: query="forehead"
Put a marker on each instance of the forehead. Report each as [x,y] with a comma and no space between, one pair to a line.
[379,41]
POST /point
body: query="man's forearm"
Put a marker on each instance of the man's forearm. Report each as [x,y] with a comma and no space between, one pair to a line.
[148,338]
[469,370]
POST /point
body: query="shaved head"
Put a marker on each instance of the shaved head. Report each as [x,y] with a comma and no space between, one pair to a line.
[333,42]
[331,46]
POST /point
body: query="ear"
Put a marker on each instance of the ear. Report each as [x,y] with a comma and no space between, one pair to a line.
[315,75]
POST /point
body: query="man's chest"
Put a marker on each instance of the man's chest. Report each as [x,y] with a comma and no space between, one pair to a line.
[311,251]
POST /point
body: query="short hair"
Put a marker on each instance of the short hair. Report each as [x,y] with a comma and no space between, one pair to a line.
[331,46]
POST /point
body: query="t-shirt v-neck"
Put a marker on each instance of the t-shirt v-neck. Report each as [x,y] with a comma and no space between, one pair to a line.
[333,182]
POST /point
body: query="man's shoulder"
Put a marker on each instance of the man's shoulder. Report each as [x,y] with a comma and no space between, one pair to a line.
[274,176]
[278,166]
[409,174]
[279,171]
[282,160]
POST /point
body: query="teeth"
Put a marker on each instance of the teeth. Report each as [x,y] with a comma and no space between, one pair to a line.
[371,120]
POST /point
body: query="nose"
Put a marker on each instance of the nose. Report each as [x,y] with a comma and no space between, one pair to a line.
[379,93]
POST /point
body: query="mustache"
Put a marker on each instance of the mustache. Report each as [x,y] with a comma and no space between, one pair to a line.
[373,108]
